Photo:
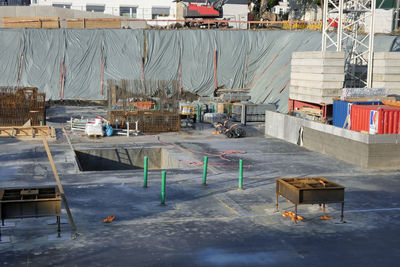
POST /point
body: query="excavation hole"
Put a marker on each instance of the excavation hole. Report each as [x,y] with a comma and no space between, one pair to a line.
[123,159]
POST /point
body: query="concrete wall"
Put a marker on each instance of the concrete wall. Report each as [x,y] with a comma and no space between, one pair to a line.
[367,151]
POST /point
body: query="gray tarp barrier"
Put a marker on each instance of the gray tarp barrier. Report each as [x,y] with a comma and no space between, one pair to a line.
[259,60]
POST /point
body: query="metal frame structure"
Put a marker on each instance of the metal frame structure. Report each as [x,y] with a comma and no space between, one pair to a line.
[349,19]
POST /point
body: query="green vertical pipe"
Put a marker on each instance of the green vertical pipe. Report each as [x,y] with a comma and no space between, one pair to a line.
[212,108]
[163,179]
[240,174]
[200,118]
[41,123]
[146,166]
[198,113]
[228,110]
[205,170]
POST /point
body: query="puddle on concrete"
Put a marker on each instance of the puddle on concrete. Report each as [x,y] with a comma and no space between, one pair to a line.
[124,159]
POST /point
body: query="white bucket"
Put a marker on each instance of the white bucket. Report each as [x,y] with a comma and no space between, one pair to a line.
[97,121]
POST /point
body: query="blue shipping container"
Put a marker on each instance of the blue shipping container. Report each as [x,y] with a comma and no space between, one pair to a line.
[342,108]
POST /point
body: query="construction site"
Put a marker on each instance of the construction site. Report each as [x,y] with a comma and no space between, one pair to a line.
[199,139]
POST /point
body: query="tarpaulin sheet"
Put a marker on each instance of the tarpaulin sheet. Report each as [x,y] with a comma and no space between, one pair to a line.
[156,60]
[123,57]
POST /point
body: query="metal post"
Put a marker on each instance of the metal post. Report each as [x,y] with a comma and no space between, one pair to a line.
[243,115]
[163,179]
[205,170]
[200,119]
[58,226]
[342,215]
[145,171]
[371,44]
[127,129]
[240,174]
[396,20]
[198,113]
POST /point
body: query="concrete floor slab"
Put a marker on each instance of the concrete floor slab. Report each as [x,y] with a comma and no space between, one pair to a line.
[216,225]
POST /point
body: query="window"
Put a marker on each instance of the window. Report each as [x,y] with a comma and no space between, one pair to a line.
[93,8]
[62,5]
[157,12]
[126,11]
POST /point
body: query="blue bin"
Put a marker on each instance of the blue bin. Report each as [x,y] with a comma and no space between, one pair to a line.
[341,109]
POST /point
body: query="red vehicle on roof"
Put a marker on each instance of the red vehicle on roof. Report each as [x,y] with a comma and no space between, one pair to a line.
[205,11]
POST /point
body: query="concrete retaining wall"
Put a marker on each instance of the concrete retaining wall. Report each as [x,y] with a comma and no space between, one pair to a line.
[367,151]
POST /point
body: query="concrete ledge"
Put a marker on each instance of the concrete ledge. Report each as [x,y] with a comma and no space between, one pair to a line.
[367,151]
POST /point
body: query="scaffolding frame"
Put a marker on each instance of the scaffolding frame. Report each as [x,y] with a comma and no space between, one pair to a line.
[349,18]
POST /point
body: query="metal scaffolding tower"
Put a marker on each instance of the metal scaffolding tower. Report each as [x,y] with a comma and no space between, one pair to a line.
[352,21]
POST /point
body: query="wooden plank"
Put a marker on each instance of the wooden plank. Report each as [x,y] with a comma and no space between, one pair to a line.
[75,23]
[31,22]
[60,187]
[103,23]
[27,132]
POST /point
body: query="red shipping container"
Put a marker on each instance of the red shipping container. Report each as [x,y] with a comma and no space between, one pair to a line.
[388,118]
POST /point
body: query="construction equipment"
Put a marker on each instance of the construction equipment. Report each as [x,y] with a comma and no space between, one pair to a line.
[210,10]
[188,116]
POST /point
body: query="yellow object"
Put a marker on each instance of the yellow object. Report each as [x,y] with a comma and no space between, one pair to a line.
[187,110]
[292,216]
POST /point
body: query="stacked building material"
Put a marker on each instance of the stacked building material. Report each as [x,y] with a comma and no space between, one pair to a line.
[18,105]
[254,112]
[152,121]
[316,77]
[386,71]
[31,22]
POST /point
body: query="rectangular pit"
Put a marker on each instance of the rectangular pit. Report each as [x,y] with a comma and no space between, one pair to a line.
[111,159]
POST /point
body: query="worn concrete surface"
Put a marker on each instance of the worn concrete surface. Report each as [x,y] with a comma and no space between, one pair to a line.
[214,225]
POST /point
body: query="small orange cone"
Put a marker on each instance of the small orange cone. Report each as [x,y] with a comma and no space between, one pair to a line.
[109,219]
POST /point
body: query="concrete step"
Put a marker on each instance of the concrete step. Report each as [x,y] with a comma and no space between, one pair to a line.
[317,77]
[318,69]
[317,84]
[386,70]
[318,54]
[318,62]
[387,55]
[386,63]
[316,91]
[389,85]
[311,99]
[386,77]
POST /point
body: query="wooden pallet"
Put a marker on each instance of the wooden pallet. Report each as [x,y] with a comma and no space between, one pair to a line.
[27,131]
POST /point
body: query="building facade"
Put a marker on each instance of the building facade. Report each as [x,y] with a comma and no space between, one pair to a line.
[140,9]
[143,9]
